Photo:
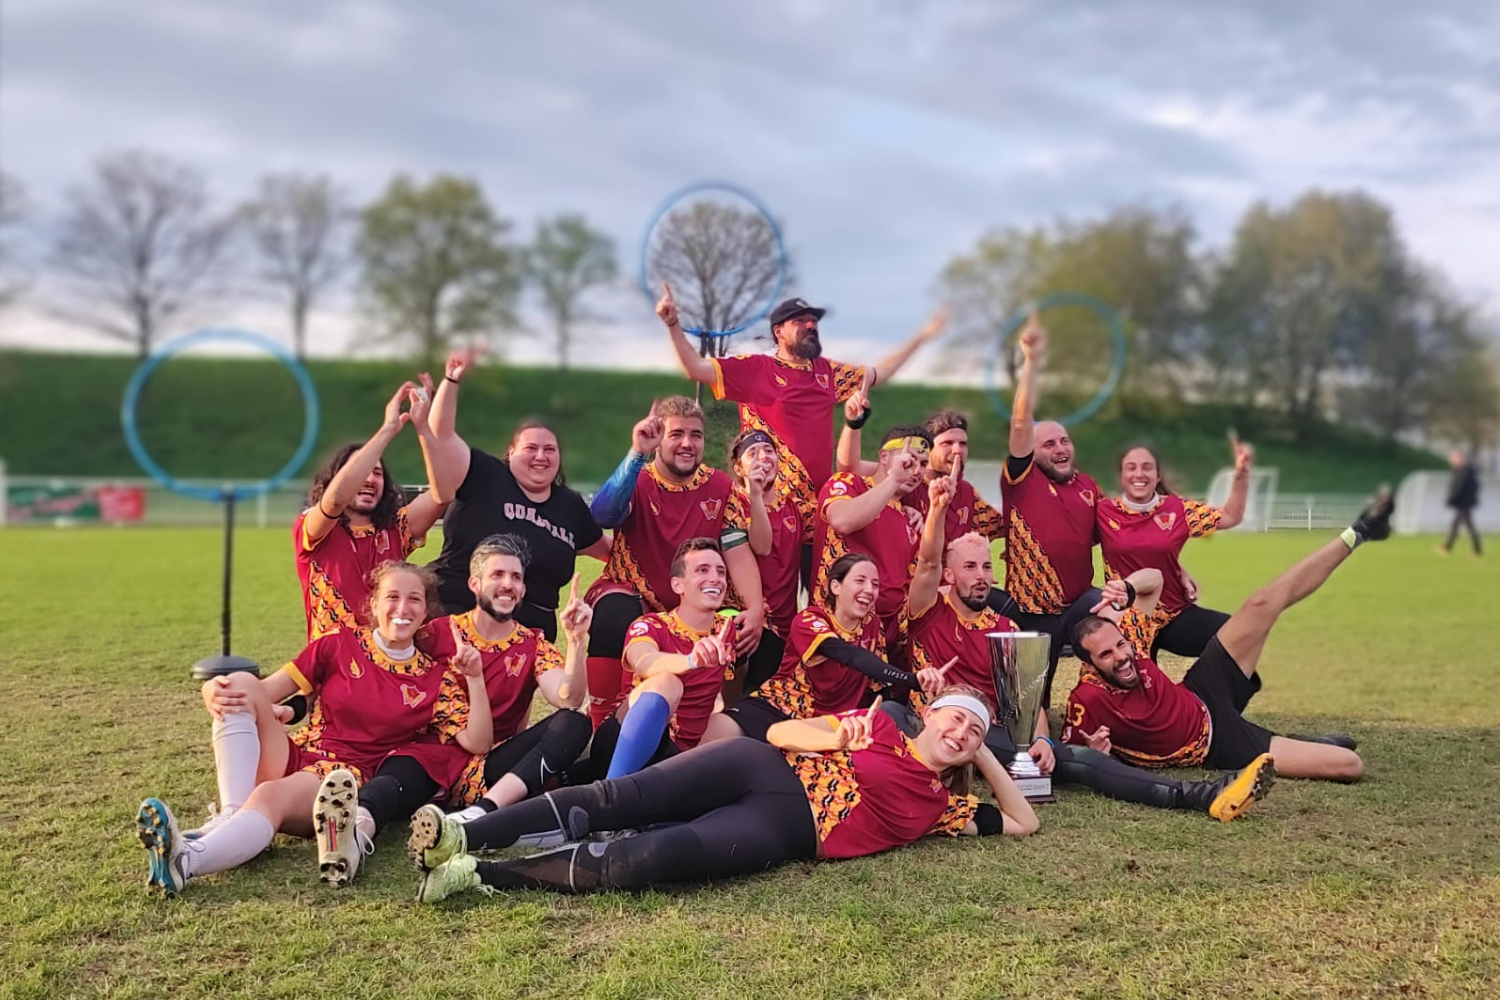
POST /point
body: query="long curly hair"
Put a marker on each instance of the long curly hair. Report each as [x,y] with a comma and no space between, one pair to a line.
[392,496]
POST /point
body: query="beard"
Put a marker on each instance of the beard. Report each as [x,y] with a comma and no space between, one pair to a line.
[673,464]
[974,600]
[807,347]
[362,506]
[488,607]
[1057,477]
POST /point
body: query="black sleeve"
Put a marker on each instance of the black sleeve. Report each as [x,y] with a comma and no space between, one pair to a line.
[483,468]
[586,530]
[1016,465]
[989,819]
[861,659]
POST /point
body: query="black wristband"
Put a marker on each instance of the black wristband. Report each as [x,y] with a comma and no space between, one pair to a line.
[450,378]
[298,703]
[1129,593]
[989,819]
[864,417]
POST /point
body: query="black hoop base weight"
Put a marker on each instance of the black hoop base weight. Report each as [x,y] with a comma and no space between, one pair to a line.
[221,666]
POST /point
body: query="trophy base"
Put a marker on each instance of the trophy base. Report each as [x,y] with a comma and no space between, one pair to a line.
[1032,783]
[1036,788]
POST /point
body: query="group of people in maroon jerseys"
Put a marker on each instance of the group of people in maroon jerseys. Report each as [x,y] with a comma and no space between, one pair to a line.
[786,659]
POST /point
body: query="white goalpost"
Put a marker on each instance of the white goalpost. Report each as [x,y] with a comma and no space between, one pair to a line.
[1259,505]
[1422,505]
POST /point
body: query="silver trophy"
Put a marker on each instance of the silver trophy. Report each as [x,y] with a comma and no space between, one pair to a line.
[1019,662]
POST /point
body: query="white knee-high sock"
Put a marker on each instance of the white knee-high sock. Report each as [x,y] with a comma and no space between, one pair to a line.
[242,837]
[236,758]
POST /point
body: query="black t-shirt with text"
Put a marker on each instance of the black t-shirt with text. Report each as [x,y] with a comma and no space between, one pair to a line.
[491,502]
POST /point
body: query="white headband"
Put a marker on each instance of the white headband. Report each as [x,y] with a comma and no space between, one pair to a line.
[963,701]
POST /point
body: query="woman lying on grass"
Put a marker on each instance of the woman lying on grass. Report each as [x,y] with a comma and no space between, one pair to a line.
[833,787]
[373,694]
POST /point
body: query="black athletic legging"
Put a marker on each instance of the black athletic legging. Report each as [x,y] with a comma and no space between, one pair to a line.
[737,807]
[399,788]
[613,614]
[1190,632]
[539,754]
[1089,768]
[536,755]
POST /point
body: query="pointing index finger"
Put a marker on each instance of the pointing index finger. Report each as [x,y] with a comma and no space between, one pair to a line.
[874,707]
[573,591]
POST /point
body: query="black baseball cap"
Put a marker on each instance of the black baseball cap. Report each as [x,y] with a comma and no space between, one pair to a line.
[794,307]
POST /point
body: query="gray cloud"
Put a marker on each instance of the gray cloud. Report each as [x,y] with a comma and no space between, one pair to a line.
[886,136]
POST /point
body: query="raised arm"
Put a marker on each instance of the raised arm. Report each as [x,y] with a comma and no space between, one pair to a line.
[565,688]
[1239,491]
[694,366]
[923,592]
[423,511]
[446,454]
[744,574]
[611,505]
[478,734]
[1023,407]
[346,482]
[886,368]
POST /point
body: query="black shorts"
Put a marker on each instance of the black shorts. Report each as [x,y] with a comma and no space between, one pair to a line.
[755,716]
[1224,689]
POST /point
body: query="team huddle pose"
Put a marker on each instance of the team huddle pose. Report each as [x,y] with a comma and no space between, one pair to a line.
[707,721]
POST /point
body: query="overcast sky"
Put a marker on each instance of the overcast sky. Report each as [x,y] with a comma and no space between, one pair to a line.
[887,136]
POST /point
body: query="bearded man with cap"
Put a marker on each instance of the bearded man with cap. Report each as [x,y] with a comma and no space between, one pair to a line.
[792,394]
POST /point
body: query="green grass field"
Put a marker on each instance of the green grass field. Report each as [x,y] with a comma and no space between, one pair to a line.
[1387,888]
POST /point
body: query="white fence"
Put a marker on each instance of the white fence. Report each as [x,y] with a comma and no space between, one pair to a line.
[1419,503]
[162,507]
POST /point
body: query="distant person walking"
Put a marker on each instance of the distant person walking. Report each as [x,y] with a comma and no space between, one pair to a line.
[1463,497]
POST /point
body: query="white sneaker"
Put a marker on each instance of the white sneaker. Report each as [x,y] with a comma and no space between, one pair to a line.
[339,846]
[216,819]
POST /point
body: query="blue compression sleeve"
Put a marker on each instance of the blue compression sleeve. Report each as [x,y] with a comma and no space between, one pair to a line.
[640,734]
[612,502]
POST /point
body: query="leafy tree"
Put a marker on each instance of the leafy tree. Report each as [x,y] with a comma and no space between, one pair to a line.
[435,267]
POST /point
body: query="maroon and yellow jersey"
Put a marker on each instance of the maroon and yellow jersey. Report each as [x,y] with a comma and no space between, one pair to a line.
[803,689]
[364,704]
[700,687]
[1049,539]
[940,633]
[1157,723]
[780,569]
[335,570]
[1154,539]
[890,541]
[967,511]
[793,403]
[512,667]
[877,798]
[662,516]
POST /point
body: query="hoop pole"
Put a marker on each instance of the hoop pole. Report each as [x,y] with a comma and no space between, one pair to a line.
[228,568]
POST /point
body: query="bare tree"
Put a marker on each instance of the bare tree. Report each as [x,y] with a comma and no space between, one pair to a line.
[722,262]
[13,209]
[137,246]
[299,224]
[566,259]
